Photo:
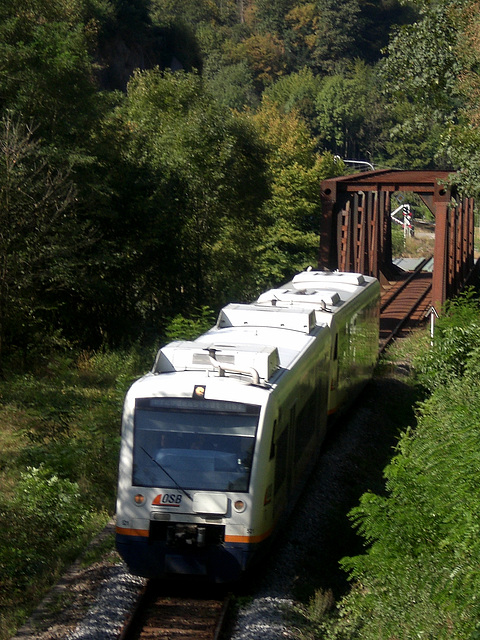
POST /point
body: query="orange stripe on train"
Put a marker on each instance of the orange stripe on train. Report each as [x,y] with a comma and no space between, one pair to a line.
[132,532]
[248,539]
[143,533]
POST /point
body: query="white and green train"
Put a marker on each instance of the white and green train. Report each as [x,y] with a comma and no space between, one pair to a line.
[218,440]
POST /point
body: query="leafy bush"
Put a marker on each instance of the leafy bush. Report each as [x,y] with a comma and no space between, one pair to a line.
[182,328]
[456,336]
[54,502]
[38,524]
[61,435]
[398,241]
[420,576]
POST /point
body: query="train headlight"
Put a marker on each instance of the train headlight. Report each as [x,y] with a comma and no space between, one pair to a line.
[239,505]
[199,391]
[139,499]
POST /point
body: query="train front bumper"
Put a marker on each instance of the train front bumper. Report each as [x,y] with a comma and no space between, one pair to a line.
[218,563]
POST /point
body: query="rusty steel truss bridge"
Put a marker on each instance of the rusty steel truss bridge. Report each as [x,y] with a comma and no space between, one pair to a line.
[356,227]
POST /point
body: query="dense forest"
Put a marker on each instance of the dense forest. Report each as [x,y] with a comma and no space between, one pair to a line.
[160,158]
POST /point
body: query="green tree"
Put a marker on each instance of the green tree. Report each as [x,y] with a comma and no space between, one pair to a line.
[303,22]
[323,34]
[420,75]
[349,114]
[168,12]
[336,34]
[46,68]
[39,233]
[461,140]
[378,17]
[290,239]
[297,91]
[265,56]
[270,15]
[233,86]
[205,179]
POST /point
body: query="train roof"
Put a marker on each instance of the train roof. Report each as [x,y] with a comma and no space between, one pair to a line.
[326,291]
[262,338]
[342,280]
[243,345]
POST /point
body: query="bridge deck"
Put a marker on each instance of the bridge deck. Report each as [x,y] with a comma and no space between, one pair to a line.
[405,302]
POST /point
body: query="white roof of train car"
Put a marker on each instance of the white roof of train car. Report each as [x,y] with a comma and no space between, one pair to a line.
[245,346]
[270,334]
[323,291]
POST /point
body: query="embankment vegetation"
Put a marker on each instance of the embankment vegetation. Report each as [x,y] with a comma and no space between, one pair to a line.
[419,574]
[59,446]
[58,459]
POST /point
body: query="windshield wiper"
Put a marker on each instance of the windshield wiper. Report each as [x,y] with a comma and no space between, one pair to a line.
[167,474]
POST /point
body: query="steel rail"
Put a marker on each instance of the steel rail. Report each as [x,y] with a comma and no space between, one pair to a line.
[400,324]
[396,298]
[175,616]
[404,284]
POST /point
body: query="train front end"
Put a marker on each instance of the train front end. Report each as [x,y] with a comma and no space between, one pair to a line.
[184,505]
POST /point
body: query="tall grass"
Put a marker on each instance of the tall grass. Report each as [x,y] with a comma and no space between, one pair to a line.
[59,446]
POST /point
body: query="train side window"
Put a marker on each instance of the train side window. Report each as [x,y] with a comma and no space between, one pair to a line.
[272,445]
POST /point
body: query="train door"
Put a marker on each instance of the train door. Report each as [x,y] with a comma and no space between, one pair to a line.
[334,375]
[291,466]
[282,450]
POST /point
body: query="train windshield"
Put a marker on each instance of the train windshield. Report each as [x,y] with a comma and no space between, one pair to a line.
[193,444]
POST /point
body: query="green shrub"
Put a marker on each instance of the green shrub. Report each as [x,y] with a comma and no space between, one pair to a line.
[420,576]
[61,426]
[182,328]
[398,241]
[455,337]
[53,501]
[45,514]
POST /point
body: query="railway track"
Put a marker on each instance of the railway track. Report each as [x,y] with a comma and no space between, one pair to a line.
[176,615]
[405,304]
